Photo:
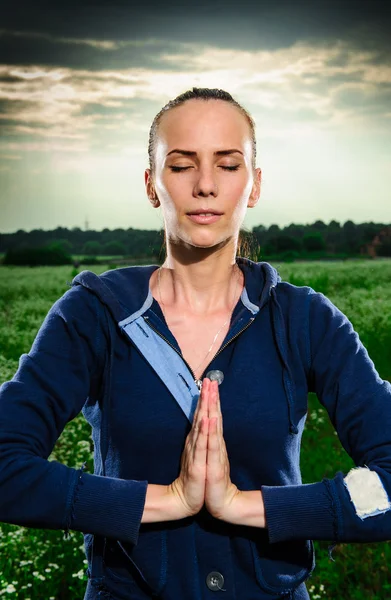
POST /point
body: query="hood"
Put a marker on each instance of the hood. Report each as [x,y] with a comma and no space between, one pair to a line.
[125,291]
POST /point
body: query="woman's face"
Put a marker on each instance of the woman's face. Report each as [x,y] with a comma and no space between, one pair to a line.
[203,162]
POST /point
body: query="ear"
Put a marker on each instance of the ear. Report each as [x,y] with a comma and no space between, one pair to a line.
[150,189]
[256,189]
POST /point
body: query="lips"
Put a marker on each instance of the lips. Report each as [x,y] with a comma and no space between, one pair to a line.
[202,211]
[204,217]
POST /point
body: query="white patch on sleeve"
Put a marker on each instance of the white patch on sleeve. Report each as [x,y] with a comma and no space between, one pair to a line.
[367,492]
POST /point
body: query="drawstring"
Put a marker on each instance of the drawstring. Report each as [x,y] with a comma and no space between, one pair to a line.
[279,332]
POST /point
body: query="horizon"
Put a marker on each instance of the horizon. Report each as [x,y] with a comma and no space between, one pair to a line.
[77,228]
[79,90]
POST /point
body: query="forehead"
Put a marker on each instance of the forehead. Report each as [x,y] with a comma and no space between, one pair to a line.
[197,124]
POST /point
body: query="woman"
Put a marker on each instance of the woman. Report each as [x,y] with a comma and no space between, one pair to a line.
[194,378]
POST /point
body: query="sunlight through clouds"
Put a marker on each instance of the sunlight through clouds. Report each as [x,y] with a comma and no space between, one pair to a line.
[322,113]
[285,82]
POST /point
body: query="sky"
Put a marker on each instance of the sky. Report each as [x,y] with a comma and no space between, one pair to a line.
[81,81]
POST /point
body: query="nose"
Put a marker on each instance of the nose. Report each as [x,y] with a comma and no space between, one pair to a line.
[206,184]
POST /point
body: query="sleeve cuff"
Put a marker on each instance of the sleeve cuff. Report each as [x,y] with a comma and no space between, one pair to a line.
[109,507]
[297,512]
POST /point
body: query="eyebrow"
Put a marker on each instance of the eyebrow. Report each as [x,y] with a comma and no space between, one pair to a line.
[192,153]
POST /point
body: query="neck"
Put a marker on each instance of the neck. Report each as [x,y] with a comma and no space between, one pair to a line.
[204,283]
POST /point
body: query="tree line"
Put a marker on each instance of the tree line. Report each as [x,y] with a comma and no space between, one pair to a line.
[316,240]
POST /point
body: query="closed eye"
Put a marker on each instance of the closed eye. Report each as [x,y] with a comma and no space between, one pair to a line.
[226,168]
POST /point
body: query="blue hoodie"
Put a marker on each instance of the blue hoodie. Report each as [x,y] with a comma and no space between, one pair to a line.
[283,342]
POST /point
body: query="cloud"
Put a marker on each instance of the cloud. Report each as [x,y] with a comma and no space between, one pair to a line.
[105,45]
[46,147]
[10,157]
[244,25]
[290,89]
[24,48]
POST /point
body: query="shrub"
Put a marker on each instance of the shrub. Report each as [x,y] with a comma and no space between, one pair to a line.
[113,248]
[92,248]
[41,256]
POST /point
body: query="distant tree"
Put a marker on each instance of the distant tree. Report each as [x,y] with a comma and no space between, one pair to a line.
[313,242]
[319,226]
[260,233]
[92,248]
[349,238]
[274,230]
[282,243]
[352,242]
[297,231]
[384,249]
[65,245]
[113,248]
[31,257]
[259,229]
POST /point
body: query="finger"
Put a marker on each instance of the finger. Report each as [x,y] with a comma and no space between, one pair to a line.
[214,455]
[214,404]
[204,399]
[218,409]
[217,414]
[217,458]
[200,427]
[201,443]
[201,409]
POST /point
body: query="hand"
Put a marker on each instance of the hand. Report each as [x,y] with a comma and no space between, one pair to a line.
[220,492]
[188,489]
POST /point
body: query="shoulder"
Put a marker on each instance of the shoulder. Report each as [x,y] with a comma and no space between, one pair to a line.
[318,309]
[296,299]
[78,312]
[123,291]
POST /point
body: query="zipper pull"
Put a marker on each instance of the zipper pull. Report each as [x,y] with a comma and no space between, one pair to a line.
[198,383]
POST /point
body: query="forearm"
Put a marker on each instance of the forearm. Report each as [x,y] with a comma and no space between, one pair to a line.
[160,505]
[246,508]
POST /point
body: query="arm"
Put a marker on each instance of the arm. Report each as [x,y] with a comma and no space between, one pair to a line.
[161,505]
[51,385]
[345,509]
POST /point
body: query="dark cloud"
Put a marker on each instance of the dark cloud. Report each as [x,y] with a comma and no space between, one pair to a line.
[9,79]
[245,25]
[9,107]
[18,48]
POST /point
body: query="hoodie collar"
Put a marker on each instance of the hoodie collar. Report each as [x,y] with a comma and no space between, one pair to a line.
[126,291]
[126,295]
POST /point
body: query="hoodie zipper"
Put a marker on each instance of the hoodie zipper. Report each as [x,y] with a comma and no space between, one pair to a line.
[198,382]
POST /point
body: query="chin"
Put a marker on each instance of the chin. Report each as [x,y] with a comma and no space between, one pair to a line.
[207,240]
[200,237]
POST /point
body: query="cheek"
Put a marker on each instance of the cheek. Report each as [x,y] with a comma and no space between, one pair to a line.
[239,191]
[167,193]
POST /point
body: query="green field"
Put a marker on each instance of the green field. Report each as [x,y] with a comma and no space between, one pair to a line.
[41,565]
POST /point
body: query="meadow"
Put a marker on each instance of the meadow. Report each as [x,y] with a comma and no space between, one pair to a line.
[42,565]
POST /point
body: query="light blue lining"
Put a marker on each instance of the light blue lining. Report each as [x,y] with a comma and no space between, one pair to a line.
[147,304]
[165,361]
[253,308]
